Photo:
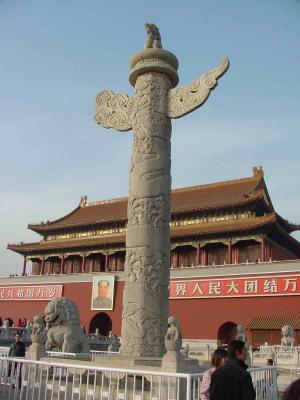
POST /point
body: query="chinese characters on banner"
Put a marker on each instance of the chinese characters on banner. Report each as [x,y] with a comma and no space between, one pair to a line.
[29,293]
[236,287]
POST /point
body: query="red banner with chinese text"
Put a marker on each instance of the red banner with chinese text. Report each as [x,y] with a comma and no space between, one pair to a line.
[30,293]
[283,285]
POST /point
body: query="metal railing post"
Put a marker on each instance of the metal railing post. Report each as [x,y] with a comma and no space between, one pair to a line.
[189,387]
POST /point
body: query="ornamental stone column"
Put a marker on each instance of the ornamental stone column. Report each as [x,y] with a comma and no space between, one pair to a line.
[154,76]
[145,306]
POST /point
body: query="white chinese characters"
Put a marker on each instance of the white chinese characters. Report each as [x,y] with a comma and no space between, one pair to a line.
[251,287]
[270,286]
[30,293]
[290,284]
[235,287]
[180,289]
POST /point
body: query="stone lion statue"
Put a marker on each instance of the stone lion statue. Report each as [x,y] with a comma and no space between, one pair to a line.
[38,332]
[288,336]
[153,37]
[65,332]
[38,326]
[173,338]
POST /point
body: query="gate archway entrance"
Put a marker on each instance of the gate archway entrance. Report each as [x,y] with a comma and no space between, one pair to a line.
[103,322]
[227,332]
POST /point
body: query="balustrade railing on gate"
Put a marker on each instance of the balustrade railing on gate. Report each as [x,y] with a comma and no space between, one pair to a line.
[282,355]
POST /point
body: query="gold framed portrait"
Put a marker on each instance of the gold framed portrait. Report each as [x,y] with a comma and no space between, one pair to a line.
[103,292]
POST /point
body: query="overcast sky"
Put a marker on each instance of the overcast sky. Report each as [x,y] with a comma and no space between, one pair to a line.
[56,55]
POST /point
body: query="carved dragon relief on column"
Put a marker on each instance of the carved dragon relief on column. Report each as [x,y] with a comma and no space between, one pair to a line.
[149,113]
[147,273]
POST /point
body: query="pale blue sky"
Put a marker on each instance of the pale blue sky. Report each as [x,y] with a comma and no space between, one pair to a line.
[57,55]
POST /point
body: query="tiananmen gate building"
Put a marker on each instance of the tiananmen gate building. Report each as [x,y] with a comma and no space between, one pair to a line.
[233,261]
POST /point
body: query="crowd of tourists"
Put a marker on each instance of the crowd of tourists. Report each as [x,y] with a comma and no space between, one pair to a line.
[228,379]
[22,322]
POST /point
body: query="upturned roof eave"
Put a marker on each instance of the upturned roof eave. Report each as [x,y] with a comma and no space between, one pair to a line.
[258,196]
[288,226]
[257,178]
[42,228]
[289,238]
[49,227]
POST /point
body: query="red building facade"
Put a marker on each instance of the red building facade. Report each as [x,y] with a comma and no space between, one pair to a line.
[222,229]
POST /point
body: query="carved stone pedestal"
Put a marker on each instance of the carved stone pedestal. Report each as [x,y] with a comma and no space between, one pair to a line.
[36,351]
[170,362]
[174,361]
[128,362]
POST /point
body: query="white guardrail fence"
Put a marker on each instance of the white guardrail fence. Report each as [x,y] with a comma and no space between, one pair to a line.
[21,378]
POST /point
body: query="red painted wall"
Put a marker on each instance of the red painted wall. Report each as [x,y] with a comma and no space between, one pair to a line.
[79,292]
[202,318]
[199,318]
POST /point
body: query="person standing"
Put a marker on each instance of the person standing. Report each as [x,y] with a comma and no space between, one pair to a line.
[232,381]
[17,350]
[218,359]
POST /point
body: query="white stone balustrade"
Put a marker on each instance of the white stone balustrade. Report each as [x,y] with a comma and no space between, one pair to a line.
[282,355]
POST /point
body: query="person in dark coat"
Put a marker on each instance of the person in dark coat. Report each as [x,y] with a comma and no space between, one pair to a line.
[17,350]
[232,381]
